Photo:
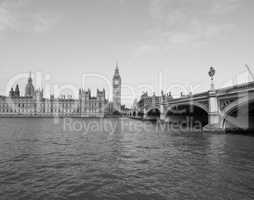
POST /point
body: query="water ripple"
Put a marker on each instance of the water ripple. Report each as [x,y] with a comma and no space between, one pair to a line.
[38,161]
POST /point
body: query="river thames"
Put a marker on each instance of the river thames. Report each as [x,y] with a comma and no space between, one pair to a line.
[77,159]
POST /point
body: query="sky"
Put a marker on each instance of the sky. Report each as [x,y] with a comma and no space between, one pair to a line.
[158,44]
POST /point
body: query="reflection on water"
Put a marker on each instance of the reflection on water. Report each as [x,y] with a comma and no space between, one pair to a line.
[43,160]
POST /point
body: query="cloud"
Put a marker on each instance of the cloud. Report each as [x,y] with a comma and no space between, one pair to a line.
[6,19]
[224,6]
[122,1]
[16,15]
[187,22]
[198,34]
[42,22]
[144,49]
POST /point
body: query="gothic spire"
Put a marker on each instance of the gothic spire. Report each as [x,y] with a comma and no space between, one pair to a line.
[17,93]
[117,69]
[30,77]
[29,87]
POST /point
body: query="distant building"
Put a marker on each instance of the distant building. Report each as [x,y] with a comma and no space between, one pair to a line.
[34,104]
[125,110]
[92,106]
[109,108]
[146,101]
[117,84]
[29,87]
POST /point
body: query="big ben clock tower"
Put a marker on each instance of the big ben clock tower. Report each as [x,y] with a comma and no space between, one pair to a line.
[117,82]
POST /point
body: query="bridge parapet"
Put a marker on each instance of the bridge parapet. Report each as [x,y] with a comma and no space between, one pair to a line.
[241,88]
[216,102]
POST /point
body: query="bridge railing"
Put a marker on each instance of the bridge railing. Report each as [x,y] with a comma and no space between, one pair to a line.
[236,87]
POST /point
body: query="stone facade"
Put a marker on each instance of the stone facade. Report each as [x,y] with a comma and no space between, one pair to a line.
[33,103]
[92,106]
[117,83]
[147,102]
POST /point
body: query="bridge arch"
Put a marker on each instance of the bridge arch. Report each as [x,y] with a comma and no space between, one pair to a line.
[153,112]
[193,112]
[238,114]
[140,114]
[201,106]
[152,108]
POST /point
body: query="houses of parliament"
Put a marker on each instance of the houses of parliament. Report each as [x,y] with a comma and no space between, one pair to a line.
[33,103]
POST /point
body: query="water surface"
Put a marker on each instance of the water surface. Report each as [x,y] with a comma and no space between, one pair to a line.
[44,159]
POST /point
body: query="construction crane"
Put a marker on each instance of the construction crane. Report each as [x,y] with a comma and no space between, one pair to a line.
[250,72]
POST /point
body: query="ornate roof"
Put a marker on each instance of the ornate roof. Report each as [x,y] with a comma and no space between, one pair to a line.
[29,87]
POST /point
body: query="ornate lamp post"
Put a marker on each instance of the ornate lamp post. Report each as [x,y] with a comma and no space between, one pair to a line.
[213,114]
[211,73]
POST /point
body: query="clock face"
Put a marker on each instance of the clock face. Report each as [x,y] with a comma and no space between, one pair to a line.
[116,82]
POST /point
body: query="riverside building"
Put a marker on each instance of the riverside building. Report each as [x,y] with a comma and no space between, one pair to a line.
[33,103]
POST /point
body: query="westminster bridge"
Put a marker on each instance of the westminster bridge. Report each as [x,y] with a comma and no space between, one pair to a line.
[230,107]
